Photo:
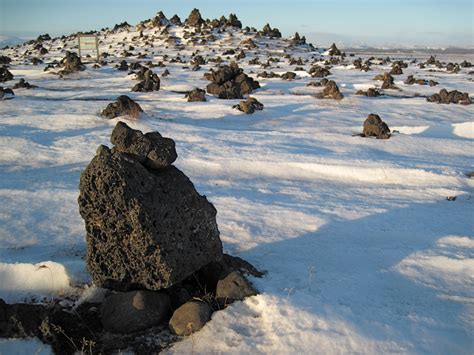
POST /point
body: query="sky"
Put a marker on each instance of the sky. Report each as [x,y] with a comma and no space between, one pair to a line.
[351,22]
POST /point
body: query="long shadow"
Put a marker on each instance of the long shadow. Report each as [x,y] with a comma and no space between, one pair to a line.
[352,267]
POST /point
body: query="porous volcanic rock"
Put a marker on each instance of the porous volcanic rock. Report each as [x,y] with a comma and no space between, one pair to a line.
[230,82]
[388,82]
[331,91]
[6,93]
[123,106]
[147,227]
[450,97]
[249,106]
[22,84]
[375,127]
[196,95]
[334,51]
[396,70]
[371,92]
[5,74]
[270,32]
[4,59]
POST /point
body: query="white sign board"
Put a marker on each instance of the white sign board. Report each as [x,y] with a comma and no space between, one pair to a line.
[88,43]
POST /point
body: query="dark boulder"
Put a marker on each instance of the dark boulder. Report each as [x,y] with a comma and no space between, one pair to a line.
[197,95]
[5,74]
[71,63]
[130,312]
[318,72]
[371,92]
[233,21]
[388,82]
[375,127]
[297,40]
[6,93]
[249,106]
[396,70]
[229,82]
[190,318]
[147,227]
[288,76]
[150,82]
[22,84]
[450,97]
[123,106]
[123,66]
[331,91]
[4,60]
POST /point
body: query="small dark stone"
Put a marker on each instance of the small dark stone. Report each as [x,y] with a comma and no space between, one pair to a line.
[249,106]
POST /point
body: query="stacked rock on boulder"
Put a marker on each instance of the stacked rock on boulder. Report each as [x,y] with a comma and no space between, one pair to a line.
[147,227]
[150,81]
[230,82]
[123,106]
[375,127]
[448,97]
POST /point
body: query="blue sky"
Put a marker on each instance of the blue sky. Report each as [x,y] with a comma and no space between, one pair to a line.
[392,22]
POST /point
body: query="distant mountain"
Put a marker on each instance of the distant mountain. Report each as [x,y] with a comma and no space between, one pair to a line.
[10,41]
[408,50]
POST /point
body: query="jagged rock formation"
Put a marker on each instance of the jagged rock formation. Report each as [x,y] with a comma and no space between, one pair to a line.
[450,97]
[331,91]
[71,63]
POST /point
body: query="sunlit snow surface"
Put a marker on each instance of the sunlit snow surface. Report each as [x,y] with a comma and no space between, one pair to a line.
[364,253]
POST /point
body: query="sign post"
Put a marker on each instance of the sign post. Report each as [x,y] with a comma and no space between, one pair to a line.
[88,43]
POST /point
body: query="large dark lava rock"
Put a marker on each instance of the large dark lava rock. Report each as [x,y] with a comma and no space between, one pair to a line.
[71,63]
[375,127]
[194,18]
[147,227]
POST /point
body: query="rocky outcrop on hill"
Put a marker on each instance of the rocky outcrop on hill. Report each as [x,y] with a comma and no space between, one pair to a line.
[334,51]
[194,19]
[230,82]
[270,32]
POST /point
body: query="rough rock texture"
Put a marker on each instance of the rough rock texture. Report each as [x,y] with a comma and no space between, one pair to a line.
[194,19]
[396,70]
[71,63]
[123,106]
[190,318]
[229,82]
[147,227]
[175,20]
[331,91]
[234,287]
[388,82]
[450,97]
[249,106]
[150,82]
[297,40]
[129,312]
[4,59]
[123,66]
[22,84]
[5,74]
[288,76]
[375,127]
[319,72]
[196,95]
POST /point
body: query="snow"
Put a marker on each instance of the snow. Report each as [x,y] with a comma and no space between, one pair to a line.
[364,253]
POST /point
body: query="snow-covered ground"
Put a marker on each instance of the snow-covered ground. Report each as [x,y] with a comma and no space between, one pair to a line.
[363,250]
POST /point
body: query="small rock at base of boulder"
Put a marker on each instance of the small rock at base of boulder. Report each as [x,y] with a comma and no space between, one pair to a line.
[375,127]
[190,318]
[123,106]
[249,106]
[129,312]
[196,95]
[234,287]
